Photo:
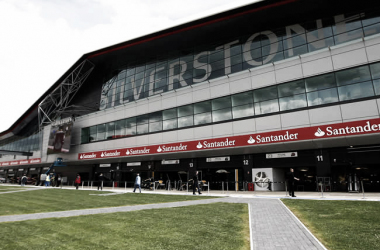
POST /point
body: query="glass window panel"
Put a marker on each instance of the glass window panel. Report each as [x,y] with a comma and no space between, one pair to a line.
[355,91]
[376,85]
[131,130]
[265,94]
[155,117]
[221,115]
[185,110]
[372,29]
[371,20]
[122,74]
[320,82]
[296,51]
[243,111]
[202,107]
[348,36]
[85,135]
[267,50]
[142,119]
[291,88]
[349,76]
[322,97]
[169,114]
[131,71]
[242,98]
[169,124]
[155,126]
[256,53]
[185,121]
[221,103]
[120,128]
[202,118]
[110,130]
[293,102]
[318,34]
[130,122]
[236,59]
[142,129]
[266,107]
[93,133]
[140,69]
[235,50]
[348,26]
[375,70]
[295,41]
[324,43]
[101,129]
[217,65]
[216,56]
[139,75]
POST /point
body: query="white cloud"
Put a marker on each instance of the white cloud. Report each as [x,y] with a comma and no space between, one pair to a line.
[42,39]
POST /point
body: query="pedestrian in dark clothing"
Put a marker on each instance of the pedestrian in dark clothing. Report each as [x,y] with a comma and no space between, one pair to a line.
[100,182]
[291,178]
[195,183]
[59,179]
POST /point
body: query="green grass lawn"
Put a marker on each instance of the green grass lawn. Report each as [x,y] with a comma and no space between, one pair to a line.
[340,224]
[212,226]
[49,200]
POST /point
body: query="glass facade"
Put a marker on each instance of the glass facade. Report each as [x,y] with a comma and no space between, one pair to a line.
[344,85]
[197,64]
[31,143]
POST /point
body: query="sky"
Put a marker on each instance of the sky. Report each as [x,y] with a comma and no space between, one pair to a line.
[42,39]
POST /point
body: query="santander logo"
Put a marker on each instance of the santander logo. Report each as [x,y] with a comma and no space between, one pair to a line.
[159,149]
[319,133]
[199,145]
[251,140]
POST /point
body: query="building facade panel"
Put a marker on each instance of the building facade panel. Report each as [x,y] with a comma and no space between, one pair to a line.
[360,110]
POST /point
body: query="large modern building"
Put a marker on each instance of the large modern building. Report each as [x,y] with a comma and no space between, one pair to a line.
[239,96]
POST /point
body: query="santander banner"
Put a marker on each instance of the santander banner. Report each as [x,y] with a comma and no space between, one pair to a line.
[20,162]
[298,134]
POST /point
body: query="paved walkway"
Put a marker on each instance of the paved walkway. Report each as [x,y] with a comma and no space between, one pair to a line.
[272,225]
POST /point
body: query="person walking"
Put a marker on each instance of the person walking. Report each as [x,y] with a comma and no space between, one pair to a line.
[77,181]
[137,183]
[195,183]
[100,181]
[23,180]
[291,178]
[47,180]
[59,179]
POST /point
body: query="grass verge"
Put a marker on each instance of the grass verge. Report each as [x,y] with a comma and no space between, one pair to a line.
[211,226]
[340,224]
[50,200]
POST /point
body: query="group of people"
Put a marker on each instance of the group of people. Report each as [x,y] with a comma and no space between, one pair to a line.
[194,181]
[52,180]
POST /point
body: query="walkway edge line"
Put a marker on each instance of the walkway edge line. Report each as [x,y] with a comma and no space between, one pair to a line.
[312,235]
[250,227]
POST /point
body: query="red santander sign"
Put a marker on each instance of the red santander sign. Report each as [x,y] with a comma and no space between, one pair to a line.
[20,162]
[298,134]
